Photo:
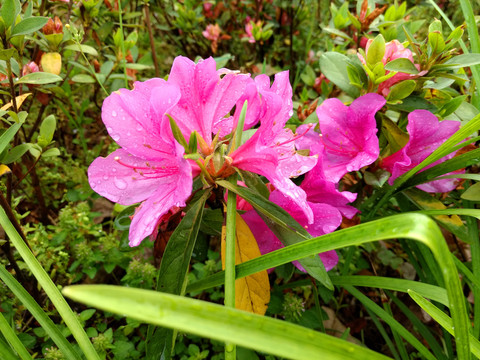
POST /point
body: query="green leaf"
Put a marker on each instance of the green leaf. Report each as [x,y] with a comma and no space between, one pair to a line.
[16,153]
[287,230]
[334,66]
[8,135]
[463,60]
[39,78]
[9,12]
[82,48]
[411,226]
[436,25]
[401,90]
[83,79]
[218,322]
[47,129]
[223,60]
[376,51]
[173,271]
[472,193]
[443,319]
[436,43]
[7,54]
[51,152]
[401,65]
[451,106]
[14,339]
[122,221]
[29,25]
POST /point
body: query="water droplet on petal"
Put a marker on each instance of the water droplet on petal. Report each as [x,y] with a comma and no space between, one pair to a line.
[109,129]
[105,177]
[115,137]
[114,170]
[114,113]
[120,184]
[139,127]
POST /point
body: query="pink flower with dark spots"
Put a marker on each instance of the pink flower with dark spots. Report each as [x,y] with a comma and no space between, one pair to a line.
[348,134]
[426,135]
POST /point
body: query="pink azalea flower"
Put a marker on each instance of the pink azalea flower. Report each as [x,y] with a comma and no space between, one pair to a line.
[348,134]
[393,50]
[150,166]
[426,135]
[212,32]
[249,29]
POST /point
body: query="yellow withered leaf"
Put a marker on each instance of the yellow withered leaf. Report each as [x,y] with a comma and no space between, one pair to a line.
[4,169]
[19,99]
[51,62]
[252,293]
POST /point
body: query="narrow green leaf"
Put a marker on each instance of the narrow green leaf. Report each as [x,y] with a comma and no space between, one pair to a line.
[220,323]
[8,12]
[173,271]
[8,135]
[177,133]
[402,65]
[45,322]
[15,153]
[29,25]
[82,48]
[429,291]
[394,324]
[39,78]
[411,226]
[50,288]
[83,79]
[463,60]
[6,352]
[13,339]
[444,320]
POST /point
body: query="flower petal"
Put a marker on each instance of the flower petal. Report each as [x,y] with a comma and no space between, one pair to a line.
[134,123]
[127,179]
[173,192]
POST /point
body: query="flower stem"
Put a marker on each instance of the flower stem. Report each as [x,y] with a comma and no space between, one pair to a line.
[230,230]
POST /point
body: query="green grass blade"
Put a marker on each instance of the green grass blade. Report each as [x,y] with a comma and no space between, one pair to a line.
[13,339]
[384,334]
[394,324]
[218,322]
[45,322]
[411,226]
[443,319]
[423,330]
[429,291]
[71,320]
[5,352]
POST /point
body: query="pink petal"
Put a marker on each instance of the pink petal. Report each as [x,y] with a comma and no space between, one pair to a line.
[118,177]
[172,192]
[349,134]
[135,124]
[206,98]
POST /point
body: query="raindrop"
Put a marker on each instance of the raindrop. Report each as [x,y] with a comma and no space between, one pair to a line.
[114,170]
[120,184]
[114,113]
[139,127]
[115,137]
[109,129]
[105,177]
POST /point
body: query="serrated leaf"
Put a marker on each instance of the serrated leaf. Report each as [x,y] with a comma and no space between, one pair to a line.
[252,293]
[39,78]
[29,25]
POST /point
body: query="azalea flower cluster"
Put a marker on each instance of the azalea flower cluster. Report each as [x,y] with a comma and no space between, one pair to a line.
[154,169]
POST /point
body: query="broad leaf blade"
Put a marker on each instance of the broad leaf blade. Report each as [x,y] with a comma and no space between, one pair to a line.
[173,271]
[218,322]
[29,25]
